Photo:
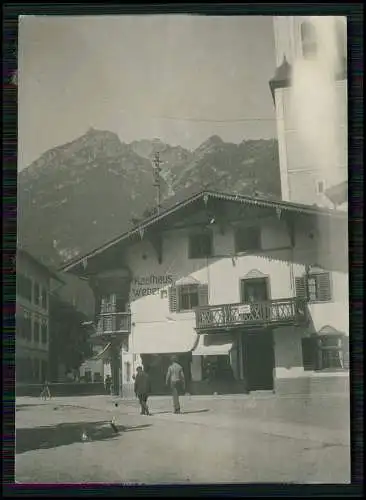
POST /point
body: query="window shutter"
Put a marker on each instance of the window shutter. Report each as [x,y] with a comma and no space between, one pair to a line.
[173,299]
[202,295]
[323,284]
[309,353]
[300,288]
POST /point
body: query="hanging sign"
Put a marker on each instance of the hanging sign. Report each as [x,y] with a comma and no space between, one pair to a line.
[244,309]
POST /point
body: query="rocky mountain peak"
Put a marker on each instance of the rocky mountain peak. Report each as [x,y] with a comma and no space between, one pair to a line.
[85,192]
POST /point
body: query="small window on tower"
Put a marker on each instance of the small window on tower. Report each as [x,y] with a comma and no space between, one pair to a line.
[320,186]
[308,40]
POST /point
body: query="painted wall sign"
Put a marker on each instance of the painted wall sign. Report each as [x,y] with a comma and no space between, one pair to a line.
[142,286]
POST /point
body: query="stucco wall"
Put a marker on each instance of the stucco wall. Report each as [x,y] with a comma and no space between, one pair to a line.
[299,175]
[222,273]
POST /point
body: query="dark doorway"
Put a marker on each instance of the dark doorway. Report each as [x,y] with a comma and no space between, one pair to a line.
[258,359]
[157,365]
[254,290]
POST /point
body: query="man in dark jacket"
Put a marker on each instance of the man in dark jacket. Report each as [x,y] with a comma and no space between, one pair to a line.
[175,379]
[142,389]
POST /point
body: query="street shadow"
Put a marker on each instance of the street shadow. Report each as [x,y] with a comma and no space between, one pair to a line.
[182,412]
[28,439]
[26,406]
[194,411]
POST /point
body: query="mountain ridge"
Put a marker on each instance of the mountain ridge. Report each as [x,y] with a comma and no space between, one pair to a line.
[82,193]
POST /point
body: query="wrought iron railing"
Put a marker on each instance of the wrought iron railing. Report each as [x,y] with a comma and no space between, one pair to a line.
[113,323]
[281,311]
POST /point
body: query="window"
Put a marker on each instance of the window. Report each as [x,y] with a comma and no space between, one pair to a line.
[19,326]
[200,245]
[326,352]
[37,294]
[187,297]
[254,290]
[44,336]
[318,287]
[215,368]
[120,303]
[26,326]
[36,330]
[247,239]
[308,40]
[24,287]
[44,298]
[320,187]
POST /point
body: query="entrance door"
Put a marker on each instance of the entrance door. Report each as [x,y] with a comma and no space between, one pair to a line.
[258,357]
[254,290]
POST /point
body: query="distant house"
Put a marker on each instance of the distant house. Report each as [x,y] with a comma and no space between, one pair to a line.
[33,284]
[251,294]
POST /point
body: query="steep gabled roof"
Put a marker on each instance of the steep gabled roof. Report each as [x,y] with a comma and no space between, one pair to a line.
[180,201]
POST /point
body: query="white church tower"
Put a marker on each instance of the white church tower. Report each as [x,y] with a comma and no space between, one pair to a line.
[309,90]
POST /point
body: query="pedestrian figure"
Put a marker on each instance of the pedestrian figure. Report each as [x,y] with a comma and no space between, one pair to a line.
[45,391]
[108,384]
[175,380]
[142,389]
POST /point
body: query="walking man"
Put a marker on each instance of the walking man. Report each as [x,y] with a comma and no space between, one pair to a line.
[46,393]
[175,380]
[142,389]
[108,384]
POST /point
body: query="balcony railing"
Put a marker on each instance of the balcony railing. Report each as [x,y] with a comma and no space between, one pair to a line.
[256,314]
[109,323]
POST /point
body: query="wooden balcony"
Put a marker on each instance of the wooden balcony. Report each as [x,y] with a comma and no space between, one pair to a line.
[280,312]
[110,325]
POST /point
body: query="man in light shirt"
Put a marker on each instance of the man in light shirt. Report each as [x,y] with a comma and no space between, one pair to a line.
[175,380]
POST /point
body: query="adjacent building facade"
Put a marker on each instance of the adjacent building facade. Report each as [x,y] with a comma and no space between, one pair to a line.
[33,284]
[309,90]
[249,293]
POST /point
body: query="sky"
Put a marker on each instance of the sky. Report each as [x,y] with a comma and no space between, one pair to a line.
[180,78]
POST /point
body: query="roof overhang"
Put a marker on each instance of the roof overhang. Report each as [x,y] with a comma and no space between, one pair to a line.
[205,196]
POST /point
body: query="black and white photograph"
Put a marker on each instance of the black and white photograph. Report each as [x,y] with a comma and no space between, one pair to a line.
[182,292]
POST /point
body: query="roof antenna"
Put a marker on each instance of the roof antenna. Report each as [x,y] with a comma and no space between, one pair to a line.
[157,170]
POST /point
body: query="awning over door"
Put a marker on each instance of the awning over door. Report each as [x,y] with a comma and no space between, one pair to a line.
[104,354]
[213,345]
[163,337]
